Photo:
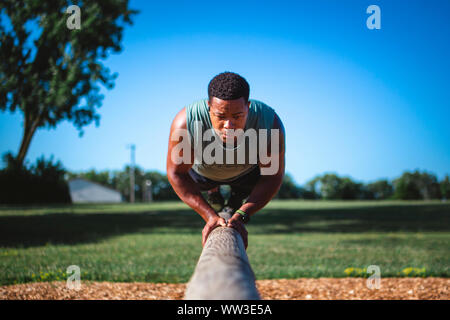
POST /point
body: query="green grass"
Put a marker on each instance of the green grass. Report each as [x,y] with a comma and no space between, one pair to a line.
[161,242]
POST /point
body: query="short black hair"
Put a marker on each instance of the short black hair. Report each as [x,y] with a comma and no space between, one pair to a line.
[228,86]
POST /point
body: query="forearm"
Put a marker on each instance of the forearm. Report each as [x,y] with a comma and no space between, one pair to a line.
[266,188]
[190,194]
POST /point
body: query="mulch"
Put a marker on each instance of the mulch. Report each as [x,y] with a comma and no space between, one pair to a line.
[280,289]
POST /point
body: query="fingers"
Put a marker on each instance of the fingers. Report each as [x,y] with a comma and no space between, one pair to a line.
[220,222]
[239,227]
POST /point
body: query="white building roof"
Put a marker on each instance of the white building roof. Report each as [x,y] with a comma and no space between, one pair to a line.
[85,191]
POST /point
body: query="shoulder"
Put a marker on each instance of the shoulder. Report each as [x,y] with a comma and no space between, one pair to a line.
[259,106]
[179,122]
[198,106]
[277,123]
[198,111]
[189,113]
[266,114]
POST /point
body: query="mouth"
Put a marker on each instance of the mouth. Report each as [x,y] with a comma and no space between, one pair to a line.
[232,133]
[228,136]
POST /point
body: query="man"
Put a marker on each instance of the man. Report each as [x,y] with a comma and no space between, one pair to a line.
[232,118]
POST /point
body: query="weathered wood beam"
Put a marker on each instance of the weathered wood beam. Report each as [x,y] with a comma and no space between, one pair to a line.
[223,271]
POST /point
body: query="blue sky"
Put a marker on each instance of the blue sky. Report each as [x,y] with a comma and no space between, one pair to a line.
[369,104]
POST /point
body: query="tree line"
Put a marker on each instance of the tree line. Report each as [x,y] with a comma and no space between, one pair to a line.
[409,186]
[46,181]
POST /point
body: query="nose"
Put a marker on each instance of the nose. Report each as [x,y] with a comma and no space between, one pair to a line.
[228,124]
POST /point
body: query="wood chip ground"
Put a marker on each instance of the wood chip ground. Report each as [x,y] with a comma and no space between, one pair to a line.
[282,289]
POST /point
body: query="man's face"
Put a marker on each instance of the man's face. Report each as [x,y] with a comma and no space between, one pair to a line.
[228,115]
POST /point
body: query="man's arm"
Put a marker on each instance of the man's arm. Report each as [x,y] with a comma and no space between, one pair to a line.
[268,185]
[183,184]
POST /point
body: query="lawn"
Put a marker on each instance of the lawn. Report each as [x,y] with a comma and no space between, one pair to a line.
[161,242]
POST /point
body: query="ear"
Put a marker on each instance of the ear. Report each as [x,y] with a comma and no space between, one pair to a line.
[209,106]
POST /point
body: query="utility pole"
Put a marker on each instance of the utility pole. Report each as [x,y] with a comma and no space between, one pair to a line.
[133,148]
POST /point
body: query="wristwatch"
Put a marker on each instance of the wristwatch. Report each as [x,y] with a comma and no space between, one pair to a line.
[244,216]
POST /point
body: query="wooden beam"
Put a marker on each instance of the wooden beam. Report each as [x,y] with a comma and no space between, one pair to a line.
[223,271]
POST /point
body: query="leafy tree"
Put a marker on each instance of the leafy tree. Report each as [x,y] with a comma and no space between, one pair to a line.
[332,187]
[406,188]
[288,189]
[381,189]
[51,73]
[329,186]
[161,187]
[39,183]
[312,189]
[307,194]
[350,190]
[101,177]
[417,185]
[445,187]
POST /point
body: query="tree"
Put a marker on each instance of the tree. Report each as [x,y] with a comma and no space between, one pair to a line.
[51,73]
[161,188]
[445,188]
[288,189]
[335,187]
[380,189]
[39,183]
[417,185]
[350,190]
[332,187]
[312,189]
[101,177]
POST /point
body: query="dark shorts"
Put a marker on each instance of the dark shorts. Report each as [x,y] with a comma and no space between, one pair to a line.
[242,185]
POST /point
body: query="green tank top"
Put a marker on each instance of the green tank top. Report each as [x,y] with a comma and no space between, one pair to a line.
[260,116]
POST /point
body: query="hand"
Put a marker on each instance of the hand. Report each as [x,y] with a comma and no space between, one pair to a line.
[212,223]
[236,223]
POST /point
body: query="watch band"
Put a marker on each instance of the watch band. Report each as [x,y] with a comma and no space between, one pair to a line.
[244,216]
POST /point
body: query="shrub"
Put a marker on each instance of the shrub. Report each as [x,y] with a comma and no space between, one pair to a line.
[41,183]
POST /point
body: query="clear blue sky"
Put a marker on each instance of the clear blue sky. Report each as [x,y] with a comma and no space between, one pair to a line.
[365,103]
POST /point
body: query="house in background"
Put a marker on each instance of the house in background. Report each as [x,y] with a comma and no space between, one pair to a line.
[85,191]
